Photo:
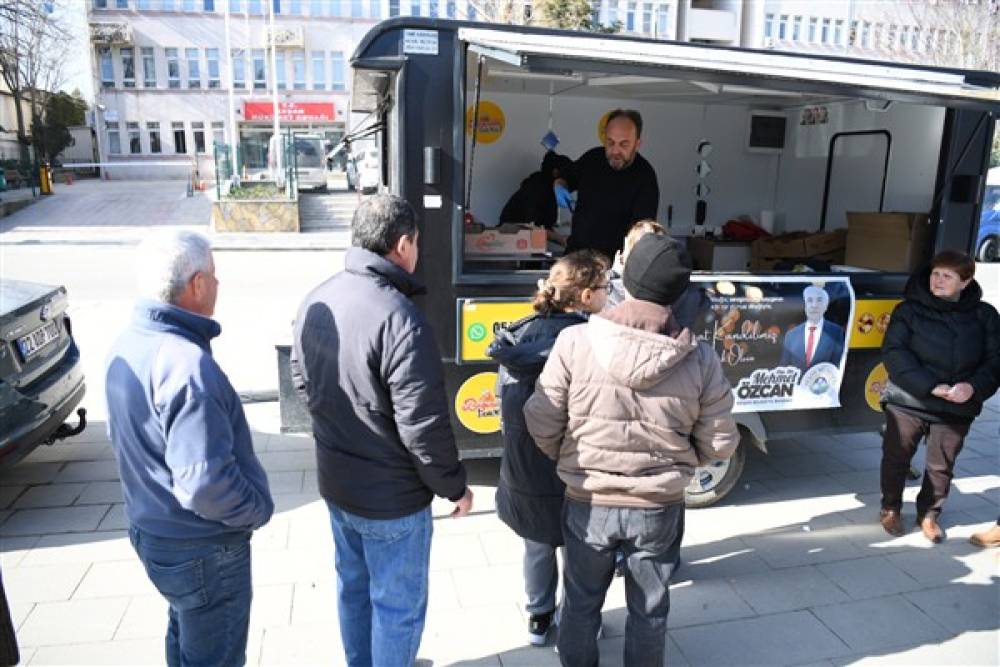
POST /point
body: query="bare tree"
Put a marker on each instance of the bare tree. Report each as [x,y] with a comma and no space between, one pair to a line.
[33,50]
[954,33]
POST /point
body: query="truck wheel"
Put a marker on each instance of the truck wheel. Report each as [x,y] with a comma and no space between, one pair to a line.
[988,250]
[712,483]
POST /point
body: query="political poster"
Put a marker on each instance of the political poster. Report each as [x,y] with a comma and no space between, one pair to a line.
[782,340]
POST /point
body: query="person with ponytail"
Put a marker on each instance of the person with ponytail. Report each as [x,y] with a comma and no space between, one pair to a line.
[530,495]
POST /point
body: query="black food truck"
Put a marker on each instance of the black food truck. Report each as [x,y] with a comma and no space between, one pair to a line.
[866,169]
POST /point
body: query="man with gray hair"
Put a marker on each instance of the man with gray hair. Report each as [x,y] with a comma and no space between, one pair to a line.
[817,340]
[366,361]
[194,489]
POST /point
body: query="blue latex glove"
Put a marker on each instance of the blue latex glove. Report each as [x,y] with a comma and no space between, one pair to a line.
[564,199]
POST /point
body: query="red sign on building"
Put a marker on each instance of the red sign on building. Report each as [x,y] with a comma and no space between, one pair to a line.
[289,111]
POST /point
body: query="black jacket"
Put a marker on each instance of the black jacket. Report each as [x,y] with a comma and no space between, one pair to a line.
[931,341]
[609,201]
[535,201]
[530,494]
[366,360]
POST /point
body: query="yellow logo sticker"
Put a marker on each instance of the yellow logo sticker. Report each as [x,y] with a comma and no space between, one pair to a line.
[874,386]
[601,125]
[491,122]
[871,319]
[477,404]
[480,319]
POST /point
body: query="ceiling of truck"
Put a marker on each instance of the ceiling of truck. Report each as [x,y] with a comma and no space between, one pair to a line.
[594,66]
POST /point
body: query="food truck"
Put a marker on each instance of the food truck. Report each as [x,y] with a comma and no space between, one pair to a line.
[862,170]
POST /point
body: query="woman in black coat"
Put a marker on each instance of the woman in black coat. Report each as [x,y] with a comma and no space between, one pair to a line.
[942,351]
[530,494]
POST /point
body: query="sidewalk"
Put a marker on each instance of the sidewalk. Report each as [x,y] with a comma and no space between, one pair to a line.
[793,569]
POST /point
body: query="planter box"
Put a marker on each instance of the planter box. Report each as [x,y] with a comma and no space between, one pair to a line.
[255,215]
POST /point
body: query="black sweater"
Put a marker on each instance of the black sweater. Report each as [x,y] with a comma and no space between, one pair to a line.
[609,201]
[932,341]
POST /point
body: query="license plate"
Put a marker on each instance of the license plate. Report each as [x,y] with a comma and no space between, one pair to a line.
[37,340]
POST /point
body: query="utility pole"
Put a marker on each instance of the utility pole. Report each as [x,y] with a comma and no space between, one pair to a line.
[234,135]
[276,125]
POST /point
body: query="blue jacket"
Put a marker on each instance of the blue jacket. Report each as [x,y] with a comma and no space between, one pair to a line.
[530,495]
[183,445]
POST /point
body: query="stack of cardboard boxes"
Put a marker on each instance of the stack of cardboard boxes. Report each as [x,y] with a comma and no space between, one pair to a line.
[797,247]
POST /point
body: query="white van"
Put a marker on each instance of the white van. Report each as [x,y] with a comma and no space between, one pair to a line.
[310,162]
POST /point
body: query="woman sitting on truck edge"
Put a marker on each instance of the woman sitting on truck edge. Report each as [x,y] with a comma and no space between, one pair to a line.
[529,494]
[942,351]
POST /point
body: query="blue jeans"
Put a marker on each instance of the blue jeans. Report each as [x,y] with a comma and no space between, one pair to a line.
[382,567]
[649,540]
[207,584]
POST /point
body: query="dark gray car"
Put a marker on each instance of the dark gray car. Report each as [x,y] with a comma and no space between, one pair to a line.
[41,378]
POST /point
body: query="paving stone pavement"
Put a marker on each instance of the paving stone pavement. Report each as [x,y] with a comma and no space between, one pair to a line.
[792,569]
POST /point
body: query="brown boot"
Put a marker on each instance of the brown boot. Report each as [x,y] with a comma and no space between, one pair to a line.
[932,531]
[987,538]
[892,522]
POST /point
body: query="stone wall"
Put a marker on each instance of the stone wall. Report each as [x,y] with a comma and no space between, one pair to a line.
[255,216]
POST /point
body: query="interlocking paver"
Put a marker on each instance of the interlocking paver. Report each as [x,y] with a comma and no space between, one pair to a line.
[874,576]
[72,622]
[49,495]
[53,520]
[801,587]
[880,624]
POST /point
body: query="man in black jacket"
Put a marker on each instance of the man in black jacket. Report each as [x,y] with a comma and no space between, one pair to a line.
[366,360]
[616,187]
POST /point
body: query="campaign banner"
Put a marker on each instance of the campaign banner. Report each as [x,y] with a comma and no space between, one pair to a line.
[782,340]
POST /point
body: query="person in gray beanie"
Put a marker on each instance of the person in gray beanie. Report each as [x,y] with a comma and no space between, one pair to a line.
[650,404]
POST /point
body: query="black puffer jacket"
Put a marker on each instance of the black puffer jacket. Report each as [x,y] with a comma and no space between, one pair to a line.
[366,360]
[931,341]
[530,494]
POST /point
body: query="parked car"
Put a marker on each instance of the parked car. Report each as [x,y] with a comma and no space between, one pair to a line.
[988,240]
[364,170]
[310,163]
[41,377]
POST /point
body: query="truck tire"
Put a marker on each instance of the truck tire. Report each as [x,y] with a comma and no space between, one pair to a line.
[712,483]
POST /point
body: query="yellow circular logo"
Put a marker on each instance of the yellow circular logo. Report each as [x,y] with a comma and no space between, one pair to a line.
[601,124]
[491,122]
[874,386]
[477,404]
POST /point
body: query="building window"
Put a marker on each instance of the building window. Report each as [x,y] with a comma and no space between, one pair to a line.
[148,67]
[218,133]
[100,4]
[796,28]
[877,30]
[299,70]
[357,9]
[813,29]
[769,25]
[783,27]
[167,5]
[180,139]
[432,8]
[854,33]
[259,69]
[450,8]
[393,8]
[663,22]
[915,39]
[335,8]
[315,7]
[276,6]
[188,5]
[114,138]
[838,32]
[414,7]
[107,67]
[295,8]
[319,70]
[121,4]
[337,70]
[891,35]
[173,68]
[647,18]
[153,130]
[239,69]
[134,142]
[279,64]
[630,18]
[128,66]
[255,7]
[212,57]
[824,35]
[470,11]
[866,37]
[235,6]
[198,130]
[208,5]
[194,68]
[904,37]
[143,5]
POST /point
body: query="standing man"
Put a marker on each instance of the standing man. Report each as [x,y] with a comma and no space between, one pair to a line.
[817,340]
[366,359]
[194,489]
[616,187]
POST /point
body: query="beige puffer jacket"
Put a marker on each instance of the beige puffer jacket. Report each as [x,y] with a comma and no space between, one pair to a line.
[628,414]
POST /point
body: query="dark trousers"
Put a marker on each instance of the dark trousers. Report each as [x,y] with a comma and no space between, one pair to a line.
[903,431]
[649,540]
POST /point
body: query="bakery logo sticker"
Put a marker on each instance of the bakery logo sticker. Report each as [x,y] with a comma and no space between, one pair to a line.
[491,122]
[602,124]
[477,404]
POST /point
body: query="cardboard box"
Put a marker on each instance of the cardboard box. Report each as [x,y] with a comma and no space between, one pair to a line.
[887,241]
[770,263]
[507,239]
[718,255]
[799,245]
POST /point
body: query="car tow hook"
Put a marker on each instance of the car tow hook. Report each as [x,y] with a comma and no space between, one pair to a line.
[67,431]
